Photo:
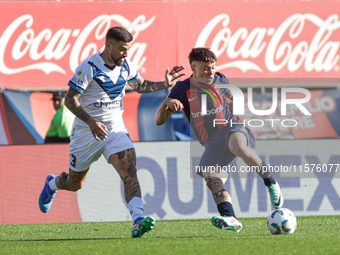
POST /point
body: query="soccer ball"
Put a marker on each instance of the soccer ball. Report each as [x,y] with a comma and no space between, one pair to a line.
[281,221]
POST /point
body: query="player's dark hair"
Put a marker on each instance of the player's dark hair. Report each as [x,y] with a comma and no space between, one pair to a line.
[118,34]
[202,55]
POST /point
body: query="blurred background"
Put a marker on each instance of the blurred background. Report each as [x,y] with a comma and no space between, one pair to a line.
[259,44]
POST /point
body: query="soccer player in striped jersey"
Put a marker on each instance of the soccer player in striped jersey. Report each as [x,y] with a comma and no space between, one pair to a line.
[95,98]
[223,142]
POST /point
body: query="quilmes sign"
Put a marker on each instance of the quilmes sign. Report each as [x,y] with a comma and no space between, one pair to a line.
[239,109]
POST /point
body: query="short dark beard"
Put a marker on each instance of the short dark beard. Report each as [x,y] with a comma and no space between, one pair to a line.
[116,61]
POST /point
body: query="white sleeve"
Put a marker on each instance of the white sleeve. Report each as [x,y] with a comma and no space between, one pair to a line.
[82,77]
[133,72]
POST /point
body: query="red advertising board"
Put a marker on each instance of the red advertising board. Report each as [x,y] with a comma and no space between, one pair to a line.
[42,43]
[23,170]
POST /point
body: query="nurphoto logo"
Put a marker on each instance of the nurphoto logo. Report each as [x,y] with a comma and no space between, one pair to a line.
[239,106]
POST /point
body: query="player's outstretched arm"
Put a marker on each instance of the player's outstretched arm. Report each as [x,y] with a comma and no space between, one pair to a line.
[146,86]
[98,129]
[165,110]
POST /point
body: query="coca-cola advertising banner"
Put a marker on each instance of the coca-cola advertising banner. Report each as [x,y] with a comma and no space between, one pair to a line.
[42,43]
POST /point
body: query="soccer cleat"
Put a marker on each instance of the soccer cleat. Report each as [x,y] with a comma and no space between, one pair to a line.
[142,226]
[228,222]
[275,195]
[46,195]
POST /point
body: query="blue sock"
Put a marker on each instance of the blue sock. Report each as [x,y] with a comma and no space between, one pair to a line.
[138,219]
[226,209]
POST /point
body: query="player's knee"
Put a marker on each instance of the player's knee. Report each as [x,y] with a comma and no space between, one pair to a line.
[240,150]
[75,186]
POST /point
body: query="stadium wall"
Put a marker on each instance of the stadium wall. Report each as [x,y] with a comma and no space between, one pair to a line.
[168,189]
[26,116]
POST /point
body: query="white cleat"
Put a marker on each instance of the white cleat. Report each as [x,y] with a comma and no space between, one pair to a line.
[229,223]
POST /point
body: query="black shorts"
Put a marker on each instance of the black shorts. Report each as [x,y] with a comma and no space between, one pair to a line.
[217,152]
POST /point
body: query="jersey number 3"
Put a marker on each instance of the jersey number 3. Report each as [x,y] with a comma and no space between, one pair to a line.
[73,161]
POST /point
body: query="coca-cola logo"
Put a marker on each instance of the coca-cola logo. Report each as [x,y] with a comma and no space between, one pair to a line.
[319,54]
[58,45]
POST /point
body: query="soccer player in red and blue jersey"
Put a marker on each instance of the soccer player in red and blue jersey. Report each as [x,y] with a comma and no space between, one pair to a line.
[222,133]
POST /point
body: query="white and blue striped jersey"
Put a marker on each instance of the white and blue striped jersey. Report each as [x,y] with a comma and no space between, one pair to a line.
[102,89]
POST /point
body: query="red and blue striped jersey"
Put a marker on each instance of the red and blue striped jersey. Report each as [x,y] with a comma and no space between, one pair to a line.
[191,95]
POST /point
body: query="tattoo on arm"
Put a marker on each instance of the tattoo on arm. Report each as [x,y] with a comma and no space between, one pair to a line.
[72,103]
[146,86]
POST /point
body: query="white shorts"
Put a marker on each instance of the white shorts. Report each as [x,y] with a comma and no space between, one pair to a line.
[85,149]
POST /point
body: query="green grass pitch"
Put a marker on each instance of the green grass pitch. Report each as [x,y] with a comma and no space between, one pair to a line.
[314,235]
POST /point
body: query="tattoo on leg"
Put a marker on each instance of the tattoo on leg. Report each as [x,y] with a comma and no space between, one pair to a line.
[221,196]
[131,189]
[62,180]
[126,168]
[131,171]
[121,155]
[131,165]
[217,190]
[70,182]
